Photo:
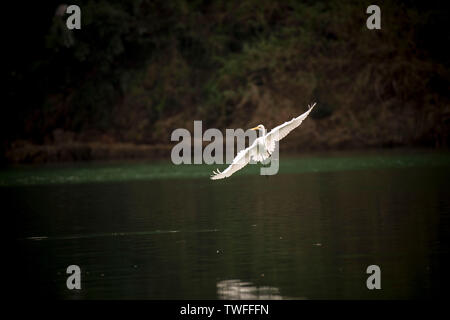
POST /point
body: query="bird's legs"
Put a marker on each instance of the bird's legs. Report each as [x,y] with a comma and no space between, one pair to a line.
[267,165]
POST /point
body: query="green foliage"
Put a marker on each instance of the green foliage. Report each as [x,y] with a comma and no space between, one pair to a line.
[138,68]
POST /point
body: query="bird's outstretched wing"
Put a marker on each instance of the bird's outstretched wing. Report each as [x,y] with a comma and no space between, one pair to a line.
[281,131]
[241,160]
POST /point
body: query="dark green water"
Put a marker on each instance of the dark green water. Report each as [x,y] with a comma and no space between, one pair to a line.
[158,231]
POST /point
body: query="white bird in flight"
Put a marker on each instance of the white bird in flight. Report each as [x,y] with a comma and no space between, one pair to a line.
[262,147]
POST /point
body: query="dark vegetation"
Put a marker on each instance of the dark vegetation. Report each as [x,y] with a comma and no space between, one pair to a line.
[139,69]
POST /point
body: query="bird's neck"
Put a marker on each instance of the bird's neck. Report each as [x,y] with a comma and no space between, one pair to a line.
[263,132]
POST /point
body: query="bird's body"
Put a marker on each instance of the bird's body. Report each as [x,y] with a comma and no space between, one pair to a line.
[262,147]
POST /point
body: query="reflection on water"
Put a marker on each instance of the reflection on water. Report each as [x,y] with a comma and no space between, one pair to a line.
[242,290]
[293,235]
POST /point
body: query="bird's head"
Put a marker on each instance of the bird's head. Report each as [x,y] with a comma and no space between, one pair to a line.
[259,127]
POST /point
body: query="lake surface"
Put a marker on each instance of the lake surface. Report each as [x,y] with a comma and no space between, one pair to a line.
[160,231]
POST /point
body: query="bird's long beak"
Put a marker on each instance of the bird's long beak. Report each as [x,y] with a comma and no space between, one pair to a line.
[255,128]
